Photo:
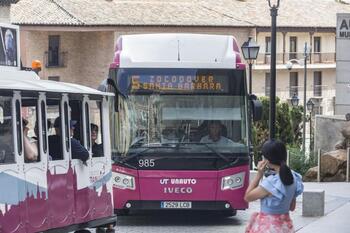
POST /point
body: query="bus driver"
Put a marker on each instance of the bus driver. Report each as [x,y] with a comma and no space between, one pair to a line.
[214,136]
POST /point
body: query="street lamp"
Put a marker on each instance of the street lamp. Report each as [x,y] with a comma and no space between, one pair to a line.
[250,52]
[272,118]
[294,100]
[289,66]
[310,106]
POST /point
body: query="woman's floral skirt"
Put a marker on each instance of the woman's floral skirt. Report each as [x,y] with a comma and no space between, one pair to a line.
[270,223]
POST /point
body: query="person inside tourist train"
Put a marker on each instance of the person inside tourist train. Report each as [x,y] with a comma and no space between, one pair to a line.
[55,144]
[97,149]
[6,145]
[30,146]
[215,129]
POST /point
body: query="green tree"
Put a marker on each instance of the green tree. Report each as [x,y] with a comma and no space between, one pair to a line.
[287,125]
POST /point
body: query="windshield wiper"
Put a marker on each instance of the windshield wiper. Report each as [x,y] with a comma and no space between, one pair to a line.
[201,143]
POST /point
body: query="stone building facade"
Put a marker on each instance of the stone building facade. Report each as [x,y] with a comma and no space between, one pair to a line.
[76,39]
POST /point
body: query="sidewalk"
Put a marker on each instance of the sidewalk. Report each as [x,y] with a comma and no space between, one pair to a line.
[337,210]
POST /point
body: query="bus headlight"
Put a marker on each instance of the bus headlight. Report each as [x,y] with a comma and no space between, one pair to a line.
[235,181]
[123,181]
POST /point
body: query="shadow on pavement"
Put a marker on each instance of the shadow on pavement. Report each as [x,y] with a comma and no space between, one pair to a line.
[177,218]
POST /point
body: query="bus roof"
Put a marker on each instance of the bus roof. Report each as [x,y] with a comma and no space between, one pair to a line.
[30,81]
[177,51]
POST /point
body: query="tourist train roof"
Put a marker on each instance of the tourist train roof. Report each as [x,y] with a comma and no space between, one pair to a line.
[30,81]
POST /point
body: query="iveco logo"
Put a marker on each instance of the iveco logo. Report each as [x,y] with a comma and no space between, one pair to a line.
[178,190]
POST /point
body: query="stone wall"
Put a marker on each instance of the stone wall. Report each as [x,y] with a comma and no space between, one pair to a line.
[328,132]
[4,14]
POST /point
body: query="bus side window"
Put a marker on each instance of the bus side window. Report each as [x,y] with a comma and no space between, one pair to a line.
[96,128]
[7,155]
[30,122]
[54,129]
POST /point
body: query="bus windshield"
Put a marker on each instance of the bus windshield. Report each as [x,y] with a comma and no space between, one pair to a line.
[211,119]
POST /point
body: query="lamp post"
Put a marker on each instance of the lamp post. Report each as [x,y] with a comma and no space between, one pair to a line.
[250,52]
[310,106]
[272,114]
[289,67]
[294,100]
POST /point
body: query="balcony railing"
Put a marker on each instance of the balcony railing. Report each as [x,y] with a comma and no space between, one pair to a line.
[55,59]
[282,58]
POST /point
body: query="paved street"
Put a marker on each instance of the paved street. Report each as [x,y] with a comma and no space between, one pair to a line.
[337,208]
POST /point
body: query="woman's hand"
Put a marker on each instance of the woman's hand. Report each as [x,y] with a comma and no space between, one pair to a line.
[261,166]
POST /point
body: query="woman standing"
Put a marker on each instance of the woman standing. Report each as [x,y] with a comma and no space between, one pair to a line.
[277,192]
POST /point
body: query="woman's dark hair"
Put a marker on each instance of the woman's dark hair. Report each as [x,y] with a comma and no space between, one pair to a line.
[276,153]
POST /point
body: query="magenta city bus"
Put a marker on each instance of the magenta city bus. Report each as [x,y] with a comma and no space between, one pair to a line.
[180,125]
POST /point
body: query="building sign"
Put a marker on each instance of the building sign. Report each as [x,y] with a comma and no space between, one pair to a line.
[8,46]
[180,83]
[343,26]
[342,92]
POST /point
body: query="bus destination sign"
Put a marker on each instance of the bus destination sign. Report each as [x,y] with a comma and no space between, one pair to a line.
[180,83]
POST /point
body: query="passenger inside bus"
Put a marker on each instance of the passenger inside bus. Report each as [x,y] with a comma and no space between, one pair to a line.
[30,146]
[215,132]
[55,146]
[97,149]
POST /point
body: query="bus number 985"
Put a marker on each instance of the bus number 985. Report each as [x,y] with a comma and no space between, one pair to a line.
[146,163]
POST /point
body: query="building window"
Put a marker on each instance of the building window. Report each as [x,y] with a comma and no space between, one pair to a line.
[54,78]
[267,45]
[267,84]
[318,110]
[317,49]
[53,53]
[317,83]
[293,47]
[293,84]
[317,44]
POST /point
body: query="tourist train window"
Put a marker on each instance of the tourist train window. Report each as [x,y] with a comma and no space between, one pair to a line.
[96,128]
[76,107]
[54,129]
[30,126]
[7,155]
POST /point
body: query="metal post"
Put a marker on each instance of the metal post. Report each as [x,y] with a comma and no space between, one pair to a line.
[304,113]
[319,165]
[272,114]
[250,77]
[310,131]
[347,165]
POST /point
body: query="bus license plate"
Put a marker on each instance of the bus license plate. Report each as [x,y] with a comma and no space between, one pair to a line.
[176,205]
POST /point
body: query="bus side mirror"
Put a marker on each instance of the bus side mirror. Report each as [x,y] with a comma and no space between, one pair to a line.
[118,93]
[256,108]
